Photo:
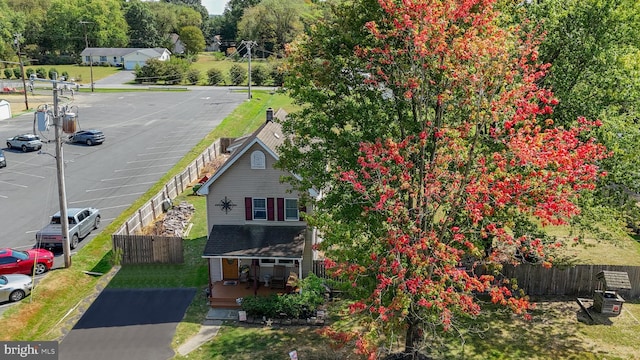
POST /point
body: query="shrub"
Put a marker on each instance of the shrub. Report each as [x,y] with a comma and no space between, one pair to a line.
[214,76]
[218,55]
[300,305]
[8,73]
[41,72]
[172,73]
[29,72]
[17,73]
[259,75]
[150,72]
[238,74]
[53,73]
[66,75]
[277,75]
[193,76]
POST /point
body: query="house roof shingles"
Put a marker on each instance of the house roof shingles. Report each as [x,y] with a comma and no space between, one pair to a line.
[268,135]
[256,241]
[121,51]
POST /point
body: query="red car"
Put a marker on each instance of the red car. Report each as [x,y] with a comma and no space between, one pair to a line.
[32,261]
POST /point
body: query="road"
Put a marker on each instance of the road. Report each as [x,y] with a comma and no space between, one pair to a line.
[146,134]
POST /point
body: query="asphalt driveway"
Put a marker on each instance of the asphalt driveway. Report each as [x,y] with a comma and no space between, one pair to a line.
[136,324]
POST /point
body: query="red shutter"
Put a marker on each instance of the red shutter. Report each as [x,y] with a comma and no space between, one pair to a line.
[248,211]
[280,209]
[270,214]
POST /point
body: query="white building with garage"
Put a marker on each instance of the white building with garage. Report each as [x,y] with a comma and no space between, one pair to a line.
[128,58]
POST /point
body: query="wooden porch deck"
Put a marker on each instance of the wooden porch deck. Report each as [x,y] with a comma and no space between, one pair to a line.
[224,296]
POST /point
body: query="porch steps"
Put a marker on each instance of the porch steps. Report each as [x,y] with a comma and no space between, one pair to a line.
[223,303]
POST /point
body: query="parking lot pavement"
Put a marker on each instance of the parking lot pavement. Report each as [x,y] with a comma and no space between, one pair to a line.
[128,324]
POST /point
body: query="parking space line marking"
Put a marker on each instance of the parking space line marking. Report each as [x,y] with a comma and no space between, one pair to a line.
[6,182]
[138,168]
[21,173]
[161,147]
[132,176]
[161,152]
[121,186]
[108,197]
[137,161]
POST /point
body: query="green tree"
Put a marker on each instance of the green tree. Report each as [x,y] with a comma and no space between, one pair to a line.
[424,123]
[142,26]
[152,71]
[53,74]
[273,23]
[193,40]
[214,76]
[593,47]
[41,73]
[231,17]
[238,74]
[193,76]
[63,30]
[259,75]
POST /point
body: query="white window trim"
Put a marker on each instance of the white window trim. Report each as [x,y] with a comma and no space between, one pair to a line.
[290,263]
[258,160]
[254,207]
[286,218]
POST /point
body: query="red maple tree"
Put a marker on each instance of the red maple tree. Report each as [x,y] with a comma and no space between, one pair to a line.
[482,154]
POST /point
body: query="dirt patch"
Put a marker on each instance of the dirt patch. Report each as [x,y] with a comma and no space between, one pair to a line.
[174,222]
[18,105]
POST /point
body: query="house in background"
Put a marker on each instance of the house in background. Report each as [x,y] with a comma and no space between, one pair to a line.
[254,220]
[128,58]
[178,45]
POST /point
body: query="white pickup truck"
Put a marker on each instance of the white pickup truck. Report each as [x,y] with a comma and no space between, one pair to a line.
[81,222]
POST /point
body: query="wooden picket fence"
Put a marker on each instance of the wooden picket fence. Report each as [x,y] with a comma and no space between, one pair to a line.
[148,249]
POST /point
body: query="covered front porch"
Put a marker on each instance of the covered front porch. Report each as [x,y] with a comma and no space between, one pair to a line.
[225,296]
[253,260]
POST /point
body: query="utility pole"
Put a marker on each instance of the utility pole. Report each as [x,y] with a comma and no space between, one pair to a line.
[249,44]
[86,44]
[62,194]
[24,84]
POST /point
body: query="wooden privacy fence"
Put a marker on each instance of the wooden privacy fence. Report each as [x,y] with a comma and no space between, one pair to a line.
[147,249]
[577,280]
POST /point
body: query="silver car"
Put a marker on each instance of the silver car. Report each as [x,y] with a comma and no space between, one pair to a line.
[14,287]
[25,142]
[3,160]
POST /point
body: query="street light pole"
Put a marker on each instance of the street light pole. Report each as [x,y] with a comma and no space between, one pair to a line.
[86,44]
[24,84]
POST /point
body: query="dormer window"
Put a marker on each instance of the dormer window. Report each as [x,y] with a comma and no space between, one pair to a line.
[258,160]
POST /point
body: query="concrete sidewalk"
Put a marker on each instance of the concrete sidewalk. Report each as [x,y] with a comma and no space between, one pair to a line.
[208,329]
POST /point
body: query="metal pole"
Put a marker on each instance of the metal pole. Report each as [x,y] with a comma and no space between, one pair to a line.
[62,195]
[249,50]
[91,70]
[24,84]
[86,44]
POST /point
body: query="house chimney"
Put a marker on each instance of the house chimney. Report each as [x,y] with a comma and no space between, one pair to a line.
[269,115]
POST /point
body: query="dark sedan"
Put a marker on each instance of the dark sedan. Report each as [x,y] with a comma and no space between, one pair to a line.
[89,137]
